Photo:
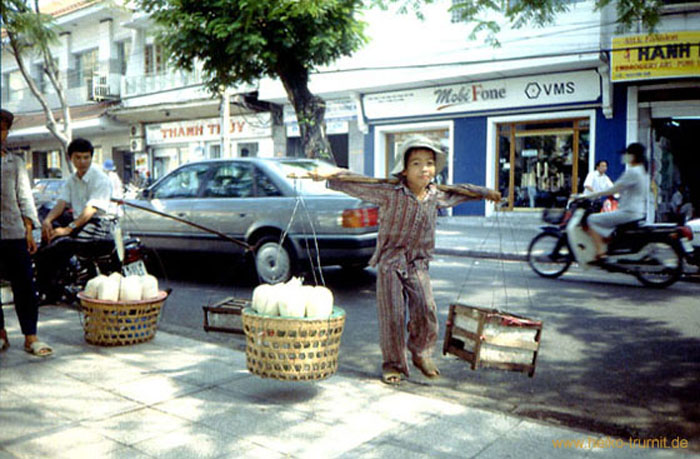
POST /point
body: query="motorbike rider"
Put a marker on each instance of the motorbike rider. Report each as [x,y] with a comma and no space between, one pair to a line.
[632,205]
[88,191]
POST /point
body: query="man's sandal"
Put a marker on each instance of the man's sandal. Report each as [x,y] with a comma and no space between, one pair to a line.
[426,366]
[391,377]
[39,349]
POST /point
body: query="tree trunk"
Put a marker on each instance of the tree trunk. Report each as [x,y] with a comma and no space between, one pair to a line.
[310,111]
[63,136]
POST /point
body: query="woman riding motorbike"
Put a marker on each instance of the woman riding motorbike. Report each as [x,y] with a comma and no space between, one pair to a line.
[632,205]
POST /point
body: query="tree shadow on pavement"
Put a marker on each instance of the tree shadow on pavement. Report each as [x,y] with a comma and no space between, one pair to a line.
[630,368]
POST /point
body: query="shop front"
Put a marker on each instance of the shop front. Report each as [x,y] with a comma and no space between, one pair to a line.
[660,76]
[175,143]
[341,128]
[533,138]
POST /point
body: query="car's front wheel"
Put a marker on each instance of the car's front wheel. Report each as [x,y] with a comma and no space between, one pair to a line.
[273,261]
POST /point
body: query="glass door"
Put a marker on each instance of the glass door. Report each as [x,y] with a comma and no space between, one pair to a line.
[540,163]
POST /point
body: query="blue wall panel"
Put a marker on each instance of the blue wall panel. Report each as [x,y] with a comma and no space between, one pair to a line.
[470,159]
[369,152]
[610,133]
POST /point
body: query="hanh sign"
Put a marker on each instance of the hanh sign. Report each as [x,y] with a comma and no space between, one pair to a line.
[653,56]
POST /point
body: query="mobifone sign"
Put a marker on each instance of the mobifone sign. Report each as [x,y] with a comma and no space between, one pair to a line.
[551,89]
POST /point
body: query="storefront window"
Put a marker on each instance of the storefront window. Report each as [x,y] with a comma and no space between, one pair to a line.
[167,159]
[395,139]
[540,163]
[673,168]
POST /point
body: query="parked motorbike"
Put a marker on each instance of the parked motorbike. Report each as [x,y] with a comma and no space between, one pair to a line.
[120,254]
[653,253]
[692,244]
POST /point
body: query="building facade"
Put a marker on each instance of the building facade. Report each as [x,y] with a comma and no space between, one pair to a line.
[530,118]
[91,58]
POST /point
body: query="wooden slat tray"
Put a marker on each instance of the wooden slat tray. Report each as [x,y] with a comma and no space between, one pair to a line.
[225,316]
[489,338]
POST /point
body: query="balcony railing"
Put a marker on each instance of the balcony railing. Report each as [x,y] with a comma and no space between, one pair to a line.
[148,84]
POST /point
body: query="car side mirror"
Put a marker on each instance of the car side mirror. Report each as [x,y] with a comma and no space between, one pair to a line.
[146,194]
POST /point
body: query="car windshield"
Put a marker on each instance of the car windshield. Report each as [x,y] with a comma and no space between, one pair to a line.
[305,186]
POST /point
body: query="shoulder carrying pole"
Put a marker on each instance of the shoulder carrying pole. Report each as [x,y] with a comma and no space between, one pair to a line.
[187,222]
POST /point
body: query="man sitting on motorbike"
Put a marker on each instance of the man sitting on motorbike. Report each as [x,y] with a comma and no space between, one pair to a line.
[632,205]
[88,191]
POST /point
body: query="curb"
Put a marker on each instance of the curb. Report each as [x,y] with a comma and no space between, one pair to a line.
[480,254]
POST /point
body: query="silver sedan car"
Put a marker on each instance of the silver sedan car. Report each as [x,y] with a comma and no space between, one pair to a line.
[292,223]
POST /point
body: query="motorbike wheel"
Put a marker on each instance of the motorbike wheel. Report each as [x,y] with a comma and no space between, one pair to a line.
[546,258]
[660,254]
[273,262]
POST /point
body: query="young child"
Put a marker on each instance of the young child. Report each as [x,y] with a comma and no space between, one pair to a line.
[407,214]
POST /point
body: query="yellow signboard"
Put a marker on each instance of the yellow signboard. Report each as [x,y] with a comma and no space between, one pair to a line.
[654,56]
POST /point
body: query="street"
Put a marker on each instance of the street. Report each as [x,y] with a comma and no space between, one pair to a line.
[615,358]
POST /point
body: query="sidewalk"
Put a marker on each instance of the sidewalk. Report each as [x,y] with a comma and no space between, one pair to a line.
[177,397]
[503,235]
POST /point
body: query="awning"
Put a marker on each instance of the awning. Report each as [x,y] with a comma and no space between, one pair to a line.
[85,120]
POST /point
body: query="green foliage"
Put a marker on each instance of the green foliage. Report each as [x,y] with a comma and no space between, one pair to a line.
[520,13]
[33,33]
[241,41]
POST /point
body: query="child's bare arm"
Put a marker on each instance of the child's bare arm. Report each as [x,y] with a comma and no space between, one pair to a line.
[452,197]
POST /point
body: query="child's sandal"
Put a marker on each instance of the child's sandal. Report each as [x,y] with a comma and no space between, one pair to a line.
[391,377]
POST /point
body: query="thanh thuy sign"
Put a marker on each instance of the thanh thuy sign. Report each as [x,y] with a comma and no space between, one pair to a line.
[654,56]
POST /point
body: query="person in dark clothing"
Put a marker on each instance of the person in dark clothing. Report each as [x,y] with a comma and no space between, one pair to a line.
[18,219]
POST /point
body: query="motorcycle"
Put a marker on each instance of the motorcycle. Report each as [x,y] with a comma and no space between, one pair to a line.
[119,254]
[692,245]
[653,253]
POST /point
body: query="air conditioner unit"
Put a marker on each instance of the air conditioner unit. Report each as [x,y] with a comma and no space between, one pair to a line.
[98,88]
[137,145]
[136,131]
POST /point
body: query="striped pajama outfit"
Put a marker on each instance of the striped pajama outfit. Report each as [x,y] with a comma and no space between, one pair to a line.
[405,245]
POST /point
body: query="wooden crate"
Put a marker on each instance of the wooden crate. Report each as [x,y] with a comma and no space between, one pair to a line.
[225,316]
[490,338]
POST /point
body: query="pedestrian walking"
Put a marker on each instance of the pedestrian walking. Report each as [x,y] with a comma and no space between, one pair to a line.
[18,219]
[597,180]
[407,213]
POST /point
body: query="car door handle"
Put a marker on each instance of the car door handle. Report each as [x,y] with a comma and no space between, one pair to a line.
[241,215]
[181,214]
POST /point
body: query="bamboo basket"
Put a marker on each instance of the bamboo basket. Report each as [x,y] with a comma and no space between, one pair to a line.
[292,349]
[110,323]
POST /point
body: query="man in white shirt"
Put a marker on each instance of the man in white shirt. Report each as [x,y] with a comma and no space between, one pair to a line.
[87,191]
[597,180]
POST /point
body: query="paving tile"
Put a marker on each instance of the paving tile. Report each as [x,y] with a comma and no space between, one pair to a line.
[213,371]
[90,404]
[461,431]
[152,389]
[72,442]
[203,403]
[38,380]
[274,392]
[96,369]
[195,440]
[136,426]
[20,417]
[530,439]
[231,412]
[390,449]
